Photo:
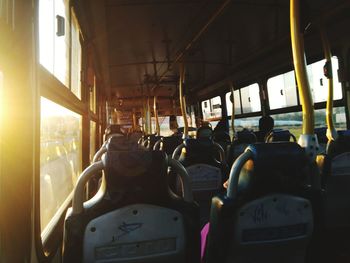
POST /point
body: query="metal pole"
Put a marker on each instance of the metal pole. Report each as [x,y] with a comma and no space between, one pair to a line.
[156,115]
[308,138]
[182,100]
[331,131]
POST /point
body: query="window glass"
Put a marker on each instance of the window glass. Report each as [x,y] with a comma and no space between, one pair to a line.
[60,159]
[251,123]
[93,96]
[319,83]
[211,108]
[54,49]
[250,98]
[237,102]
[92,139]
[293,121]
[76,58]
[282,91]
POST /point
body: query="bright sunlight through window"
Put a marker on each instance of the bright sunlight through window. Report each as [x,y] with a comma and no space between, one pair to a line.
[60,159]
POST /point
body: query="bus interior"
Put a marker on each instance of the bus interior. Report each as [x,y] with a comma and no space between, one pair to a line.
[194,131]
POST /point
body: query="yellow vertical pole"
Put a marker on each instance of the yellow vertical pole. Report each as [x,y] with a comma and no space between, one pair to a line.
[233,110]
[148,118]
[134,120]
[156,115]
[300,68]
[331,131]
[308,140]
[182,100]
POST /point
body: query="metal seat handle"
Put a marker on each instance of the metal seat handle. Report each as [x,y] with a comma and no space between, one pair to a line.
[177,151]
[79,190]
[221,152]
[156,146]
[235,171]
[185,178]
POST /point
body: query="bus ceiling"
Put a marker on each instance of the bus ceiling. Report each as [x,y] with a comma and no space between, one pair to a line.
[139,42]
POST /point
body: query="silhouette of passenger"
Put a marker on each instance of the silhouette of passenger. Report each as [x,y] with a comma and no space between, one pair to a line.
[266,124]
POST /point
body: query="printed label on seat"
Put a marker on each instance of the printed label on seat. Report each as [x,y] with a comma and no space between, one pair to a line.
[204,177]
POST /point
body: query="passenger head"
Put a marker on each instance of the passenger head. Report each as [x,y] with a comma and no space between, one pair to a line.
[266,123]
[173,123]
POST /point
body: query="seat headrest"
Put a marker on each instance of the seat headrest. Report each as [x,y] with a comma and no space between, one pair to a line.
[204,132]
[136,176]
[199,151]
[321,134]
[221,136]
[170,143]
[280,136]
[339,145]
[120,144]
[246,136]
[274,167]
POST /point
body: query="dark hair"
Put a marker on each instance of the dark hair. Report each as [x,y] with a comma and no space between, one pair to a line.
[266,123]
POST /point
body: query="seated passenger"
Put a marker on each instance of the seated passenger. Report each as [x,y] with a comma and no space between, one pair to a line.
[266,124]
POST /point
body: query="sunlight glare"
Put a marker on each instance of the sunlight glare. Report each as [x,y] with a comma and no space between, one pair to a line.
[49,109]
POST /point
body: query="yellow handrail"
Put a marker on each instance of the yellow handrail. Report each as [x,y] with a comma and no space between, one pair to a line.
[182,100]
[300,69]
[156,115]
[331,131]
[233,110]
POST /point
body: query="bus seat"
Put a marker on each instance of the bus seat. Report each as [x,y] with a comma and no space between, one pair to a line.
[280,136]
[237,147]
[263,217]
[321,133]
[168,144]
[135,136]
[150,141]
[336,179]
[134,217]
[121,144]
[207,174]
[205,132]
[223,138]
[113,129]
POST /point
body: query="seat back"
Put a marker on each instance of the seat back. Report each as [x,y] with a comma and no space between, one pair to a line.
[237,147]
[169,144]
[263,215]
[206,173]
[223,138]
[280,136]
[336,176]
[136,218]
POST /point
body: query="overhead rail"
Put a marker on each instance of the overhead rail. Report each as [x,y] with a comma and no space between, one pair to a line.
[181,54]
[307,138]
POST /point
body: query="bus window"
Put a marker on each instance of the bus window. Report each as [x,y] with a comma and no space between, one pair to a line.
[282,91]
[237,102]
[60,160]
[92,139]
[211,109]
[93,96]
[76,58]
[318,82]
[293,121]
[54,47]
[250,123]
[251,98]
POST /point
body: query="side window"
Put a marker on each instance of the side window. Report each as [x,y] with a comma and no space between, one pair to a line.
[237,102]
[282,91]
[211,109]
[318,82]
[54,41]
[251,123]
[93,96]
[60,159]
[76,57]
[251,98]
[92,139]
